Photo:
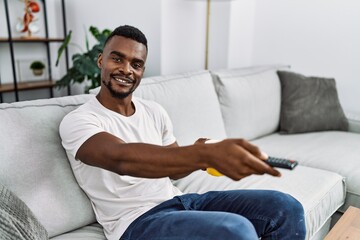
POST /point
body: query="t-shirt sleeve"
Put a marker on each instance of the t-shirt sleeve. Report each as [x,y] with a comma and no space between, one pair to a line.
[167,128]
[76,128]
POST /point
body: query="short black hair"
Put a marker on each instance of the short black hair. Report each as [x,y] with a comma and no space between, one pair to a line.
[128,32]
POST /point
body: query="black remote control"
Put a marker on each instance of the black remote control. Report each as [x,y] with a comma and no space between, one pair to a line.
[281,162]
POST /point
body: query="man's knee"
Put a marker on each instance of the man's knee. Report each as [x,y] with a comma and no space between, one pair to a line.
[235,227]
[286,204]
[289,213]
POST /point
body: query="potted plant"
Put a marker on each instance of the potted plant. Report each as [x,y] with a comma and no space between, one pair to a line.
[37,67]
[84,66]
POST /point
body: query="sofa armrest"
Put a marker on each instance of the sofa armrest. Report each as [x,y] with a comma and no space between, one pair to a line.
[354,121]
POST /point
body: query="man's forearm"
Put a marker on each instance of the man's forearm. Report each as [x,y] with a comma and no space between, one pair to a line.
[151,161]
[140,159]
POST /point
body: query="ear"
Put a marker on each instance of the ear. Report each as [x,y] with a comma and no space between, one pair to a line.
[99,61]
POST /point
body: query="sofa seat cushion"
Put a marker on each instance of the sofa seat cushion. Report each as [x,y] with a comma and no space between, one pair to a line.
[330,150]
[34,166]
[320,192]
[90,232]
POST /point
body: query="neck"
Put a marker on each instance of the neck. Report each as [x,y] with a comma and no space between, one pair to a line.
[124,106]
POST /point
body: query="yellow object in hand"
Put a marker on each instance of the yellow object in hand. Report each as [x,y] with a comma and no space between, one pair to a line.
[214,172]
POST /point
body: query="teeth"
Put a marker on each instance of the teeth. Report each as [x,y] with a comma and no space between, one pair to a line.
[122,80]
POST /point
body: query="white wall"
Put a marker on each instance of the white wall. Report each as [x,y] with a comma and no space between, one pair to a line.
[319,38]
[241,35]
[219,34]
[316,37]
[182,35]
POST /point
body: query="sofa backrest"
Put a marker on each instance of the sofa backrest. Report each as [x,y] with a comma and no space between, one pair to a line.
[191,102]
[250,100]
[34,166]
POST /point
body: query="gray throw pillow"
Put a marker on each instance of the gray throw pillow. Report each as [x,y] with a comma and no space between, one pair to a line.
[17,222]
[309,104]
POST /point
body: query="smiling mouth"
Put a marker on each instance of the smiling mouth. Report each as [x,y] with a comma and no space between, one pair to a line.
[124,81]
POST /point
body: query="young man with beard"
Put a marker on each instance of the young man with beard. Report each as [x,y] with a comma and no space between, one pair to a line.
[123,153]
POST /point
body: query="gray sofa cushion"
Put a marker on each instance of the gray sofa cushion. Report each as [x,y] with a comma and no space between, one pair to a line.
[35,166]
[250,100]
[309,104]
[17,221]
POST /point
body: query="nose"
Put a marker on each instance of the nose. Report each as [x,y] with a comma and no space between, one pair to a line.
[126,68]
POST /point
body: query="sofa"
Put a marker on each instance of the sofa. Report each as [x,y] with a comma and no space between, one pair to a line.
[243,103]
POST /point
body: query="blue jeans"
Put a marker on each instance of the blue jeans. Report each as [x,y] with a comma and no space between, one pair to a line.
[235,214]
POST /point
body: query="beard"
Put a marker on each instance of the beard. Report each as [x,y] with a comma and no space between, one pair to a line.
[115,94]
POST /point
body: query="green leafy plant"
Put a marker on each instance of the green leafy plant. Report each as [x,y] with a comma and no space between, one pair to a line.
[84,66]
[37,65]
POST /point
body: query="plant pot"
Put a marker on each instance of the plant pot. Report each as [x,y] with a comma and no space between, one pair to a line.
[38,72]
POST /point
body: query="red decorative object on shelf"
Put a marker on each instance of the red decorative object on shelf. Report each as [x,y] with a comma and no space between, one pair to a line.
[27,22]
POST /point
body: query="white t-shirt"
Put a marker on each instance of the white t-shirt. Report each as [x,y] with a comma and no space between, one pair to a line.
[118,200]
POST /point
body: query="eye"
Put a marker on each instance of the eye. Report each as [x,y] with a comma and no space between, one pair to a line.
[117,59]
[137,65]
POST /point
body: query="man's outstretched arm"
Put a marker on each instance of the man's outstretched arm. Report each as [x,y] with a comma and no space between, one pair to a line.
[235,158]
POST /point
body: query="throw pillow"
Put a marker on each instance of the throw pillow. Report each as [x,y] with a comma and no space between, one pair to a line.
[16,219]
[309,104]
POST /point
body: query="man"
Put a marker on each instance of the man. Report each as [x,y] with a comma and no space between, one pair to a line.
[123,153]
